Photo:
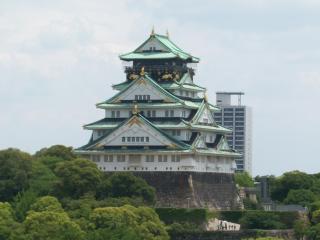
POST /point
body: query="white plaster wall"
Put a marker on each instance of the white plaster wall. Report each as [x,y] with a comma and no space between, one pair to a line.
[192,163]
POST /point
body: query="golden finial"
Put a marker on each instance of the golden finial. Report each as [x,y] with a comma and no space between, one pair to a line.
[142,71]
[205,96]
[167,33]
[152,31]
[135,109]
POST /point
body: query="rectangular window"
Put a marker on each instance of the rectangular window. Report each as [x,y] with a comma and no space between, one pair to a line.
[149,113]
[159,158]
[148,97]
[147,139]
[136,97]
[178,132]
[173,132]
[123,139]
[153,113]
[183,114]
[173,158]
[137,139]
[166,113]
[118,114]
[171,113]
[121,158]
[128,139]
[165,158]
[113,114]
[133,139]
[149,158]
[141,139]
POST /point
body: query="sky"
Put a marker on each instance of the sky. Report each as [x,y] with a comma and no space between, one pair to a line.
[59,58]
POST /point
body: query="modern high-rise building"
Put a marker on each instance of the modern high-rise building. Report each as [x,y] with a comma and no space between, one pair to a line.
[237,118]
[159,120]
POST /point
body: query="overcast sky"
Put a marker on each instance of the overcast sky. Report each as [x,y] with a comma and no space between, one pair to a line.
[59,58]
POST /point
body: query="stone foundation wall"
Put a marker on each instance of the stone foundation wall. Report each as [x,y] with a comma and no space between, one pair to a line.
[193,189]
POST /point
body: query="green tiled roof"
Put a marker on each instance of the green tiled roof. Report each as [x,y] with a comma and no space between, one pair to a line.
[152,82]
[173,51]
[172,85]
[179,144]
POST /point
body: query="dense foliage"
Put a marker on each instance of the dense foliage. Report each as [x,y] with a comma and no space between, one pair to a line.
[55,195]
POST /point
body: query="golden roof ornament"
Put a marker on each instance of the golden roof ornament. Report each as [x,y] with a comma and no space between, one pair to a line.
[205,96]
[135,110]
[142,71]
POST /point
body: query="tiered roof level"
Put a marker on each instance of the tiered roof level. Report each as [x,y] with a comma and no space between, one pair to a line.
[159,120]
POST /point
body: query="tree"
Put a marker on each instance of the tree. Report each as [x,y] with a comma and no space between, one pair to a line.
[316,217]
[260,220]
[289,181]
[22,202]
[7,223]
[300,196]
[60,151]
[128,185]
[300,228]
[127,222]
[14,172]
[48,221]
[48,225]
[243,179]
[77,177]
[313,233]
[42,179]
[47,203]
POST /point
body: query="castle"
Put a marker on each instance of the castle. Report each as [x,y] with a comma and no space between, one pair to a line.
[160,121]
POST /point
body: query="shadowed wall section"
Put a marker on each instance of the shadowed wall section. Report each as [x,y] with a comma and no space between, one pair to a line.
[192,189]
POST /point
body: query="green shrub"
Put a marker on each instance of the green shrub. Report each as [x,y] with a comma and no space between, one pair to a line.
[261,220]
[172,215]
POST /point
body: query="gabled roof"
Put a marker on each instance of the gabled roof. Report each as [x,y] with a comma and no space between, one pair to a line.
[171,51]
[143,79]
[204,106]
[137,119]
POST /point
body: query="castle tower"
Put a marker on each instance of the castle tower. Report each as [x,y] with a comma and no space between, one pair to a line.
[160,120]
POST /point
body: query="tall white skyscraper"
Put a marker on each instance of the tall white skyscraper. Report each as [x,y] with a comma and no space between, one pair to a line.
[236,117]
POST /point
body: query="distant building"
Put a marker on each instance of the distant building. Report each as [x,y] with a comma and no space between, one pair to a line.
[236,117]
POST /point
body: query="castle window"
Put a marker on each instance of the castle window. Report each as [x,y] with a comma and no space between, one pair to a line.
[178,132]
[149,113]
[149,158]
[96,158]
[184,114]
[123,139]
[167,113]
[142,139]
[118,114]
[165,158]
[133,139]
[153,113]
[137,139]
[147,139]
[113,114]
[108,158]
[121,158]
[128,139]
[159,158]
[171,113]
